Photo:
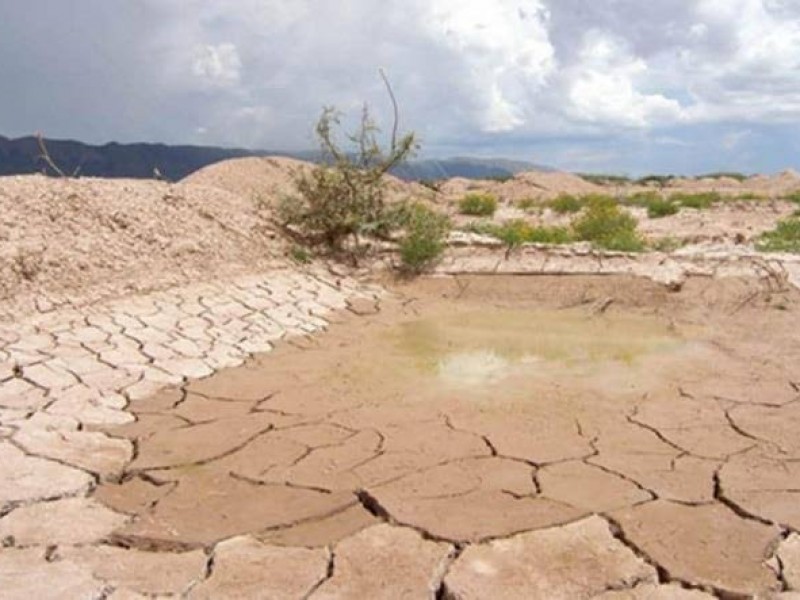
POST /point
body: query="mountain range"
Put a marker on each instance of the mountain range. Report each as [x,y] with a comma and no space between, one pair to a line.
[22,156]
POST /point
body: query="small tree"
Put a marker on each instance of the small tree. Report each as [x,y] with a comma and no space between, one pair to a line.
[344,197]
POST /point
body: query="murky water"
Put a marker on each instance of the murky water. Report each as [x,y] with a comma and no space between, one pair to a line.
[474,348]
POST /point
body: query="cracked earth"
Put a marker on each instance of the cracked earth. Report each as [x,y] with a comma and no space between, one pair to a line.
[300,435]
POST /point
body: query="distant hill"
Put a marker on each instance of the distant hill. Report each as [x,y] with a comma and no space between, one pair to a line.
[21,156]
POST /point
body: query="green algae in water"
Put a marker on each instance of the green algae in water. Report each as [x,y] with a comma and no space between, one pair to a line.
[482,346]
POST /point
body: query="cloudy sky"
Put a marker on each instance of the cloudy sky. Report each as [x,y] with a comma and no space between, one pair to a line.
[628,86]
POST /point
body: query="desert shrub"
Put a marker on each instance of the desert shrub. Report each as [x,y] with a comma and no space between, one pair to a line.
[517,232]
[606,225]
[666,244]
[300,255]
[661,208]
[658,180]
[724,174]
[654,202]
[643,199]
[793,197]
[425,237]
[566,204]
[750,196]
[604,179]
[784,238]
[529,204]
[701,200]
[478,205]
[344,197]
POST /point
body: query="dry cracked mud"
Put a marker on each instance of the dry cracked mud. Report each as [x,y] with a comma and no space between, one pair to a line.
[458,438]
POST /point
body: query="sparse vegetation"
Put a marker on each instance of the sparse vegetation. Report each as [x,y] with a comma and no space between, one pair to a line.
[605,179]
[566,204]
[300,255]
[607,226]
[724,174]
[516,232]
[666,244]
[658,180]
[784,238]
[700,201]
[793,197]
[343,199]
[424,239]
[661,208]
[657,206]
[478,205]
[750,197]
[529,204]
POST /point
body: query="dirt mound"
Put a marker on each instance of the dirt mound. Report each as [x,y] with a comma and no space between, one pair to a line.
[254,178]
[268,179]
[72,240]
[530,184]
[545,184]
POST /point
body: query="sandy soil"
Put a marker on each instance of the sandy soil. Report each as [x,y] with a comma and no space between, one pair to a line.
[69,241]
[500,405]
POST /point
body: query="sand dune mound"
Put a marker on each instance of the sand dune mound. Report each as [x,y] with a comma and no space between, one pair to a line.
[73,239]
[530,184]
[254,178]
[268,179]
[548,184]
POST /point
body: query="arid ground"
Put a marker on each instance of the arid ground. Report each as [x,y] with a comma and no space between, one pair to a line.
[195,415]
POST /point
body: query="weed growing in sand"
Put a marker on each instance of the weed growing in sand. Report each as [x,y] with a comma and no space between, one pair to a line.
[566,204]
[301,255]
[793,197]
[657,180]
[529,205]
[666,244]
[740,177]
[605,179]
[661,208]
[657,206]
[424,239]
[784,238]
[699,201]
[517,232]
[478,205]
[606,225]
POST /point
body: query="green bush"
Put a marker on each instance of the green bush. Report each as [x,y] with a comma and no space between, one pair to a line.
[666,244]
[654,202]
[699,201]
[566,204]
[344,197]
[661,208]
[659,180]
[604,179]
[784,238]
[425,237]
[793,197]
[478,205]
[529,204]
[607,226]
[643,199]
[724,174]
[301,255]
[517,232]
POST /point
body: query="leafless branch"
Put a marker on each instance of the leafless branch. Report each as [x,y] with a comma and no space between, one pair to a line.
[45,156]
[396,110]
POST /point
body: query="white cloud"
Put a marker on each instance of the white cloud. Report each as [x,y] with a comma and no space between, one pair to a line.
[603,86]
[470,75]
[217,65]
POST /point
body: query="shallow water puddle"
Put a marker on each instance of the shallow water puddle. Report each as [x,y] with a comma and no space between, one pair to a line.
[483,347]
